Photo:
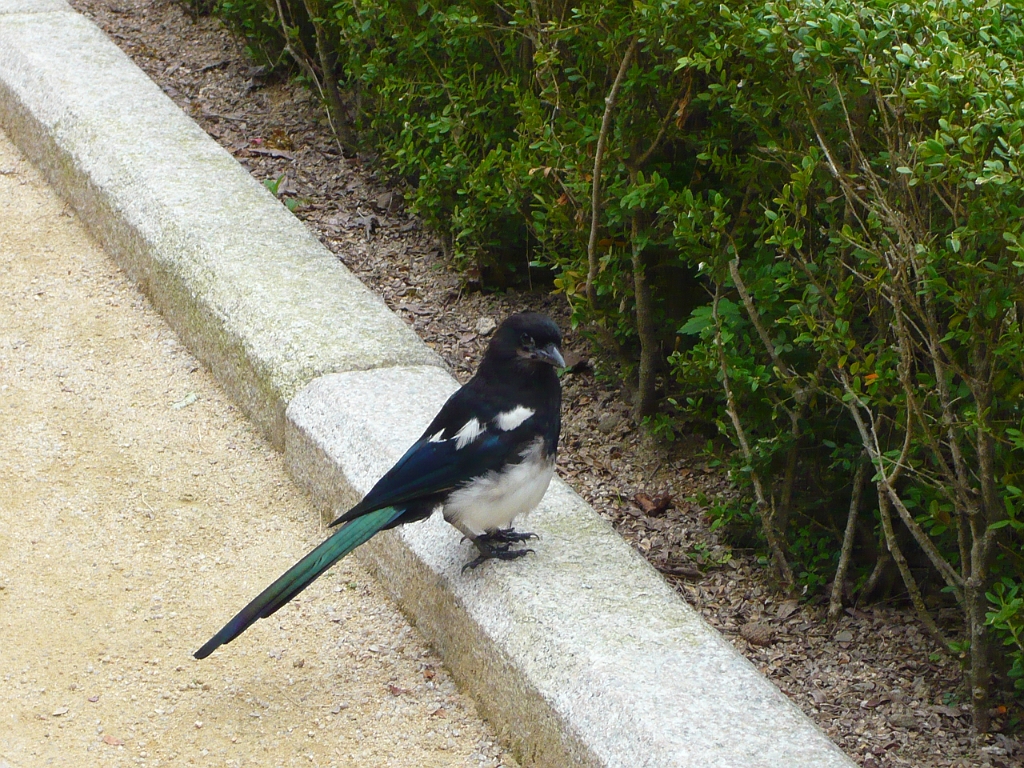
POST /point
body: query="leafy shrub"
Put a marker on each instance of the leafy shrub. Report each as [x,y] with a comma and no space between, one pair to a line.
[883,296]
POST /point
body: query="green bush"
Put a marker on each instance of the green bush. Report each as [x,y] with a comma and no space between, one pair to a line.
[883,296]
[805,215]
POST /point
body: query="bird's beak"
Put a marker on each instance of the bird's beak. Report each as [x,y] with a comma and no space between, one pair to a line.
[551,355]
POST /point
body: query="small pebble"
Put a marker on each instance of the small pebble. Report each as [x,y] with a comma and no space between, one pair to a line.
[485,326]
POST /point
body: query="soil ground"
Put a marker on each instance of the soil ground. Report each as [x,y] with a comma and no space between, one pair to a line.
[139,510]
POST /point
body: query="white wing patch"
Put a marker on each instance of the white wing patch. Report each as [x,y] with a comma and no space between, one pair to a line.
[509,420]
[436,437]
[470,431]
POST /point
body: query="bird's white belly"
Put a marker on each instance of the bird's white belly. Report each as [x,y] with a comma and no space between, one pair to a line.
[494,500]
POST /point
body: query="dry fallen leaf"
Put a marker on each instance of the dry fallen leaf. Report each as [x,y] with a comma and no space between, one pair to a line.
[686,570]
[282,153]
[787,608]
[655,506]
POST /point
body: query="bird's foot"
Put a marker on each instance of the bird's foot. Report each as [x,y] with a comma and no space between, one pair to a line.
[506,536]
[494,553]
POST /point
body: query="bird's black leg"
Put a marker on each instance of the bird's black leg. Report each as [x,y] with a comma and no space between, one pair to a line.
[492,545]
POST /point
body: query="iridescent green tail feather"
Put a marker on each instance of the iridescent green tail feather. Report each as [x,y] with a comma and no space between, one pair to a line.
[302,574]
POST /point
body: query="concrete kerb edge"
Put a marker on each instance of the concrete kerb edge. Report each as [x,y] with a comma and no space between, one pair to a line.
[504,688]
[33,6]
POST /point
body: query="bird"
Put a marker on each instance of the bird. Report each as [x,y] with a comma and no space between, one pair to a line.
[487,458]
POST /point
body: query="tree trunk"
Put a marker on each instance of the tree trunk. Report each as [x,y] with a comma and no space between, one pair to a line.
[835,604]
[645,394]
[980,661]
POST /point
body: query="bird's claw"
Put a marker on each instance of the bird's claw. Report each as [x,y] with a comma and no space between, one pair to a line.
[507,536]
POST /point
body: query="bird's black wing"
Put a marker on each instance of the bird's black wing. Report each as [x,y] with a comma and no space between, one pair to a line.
[461,443]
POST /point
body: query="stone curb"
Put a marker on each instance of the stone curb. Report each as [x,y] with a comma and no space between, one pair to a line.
[580,655]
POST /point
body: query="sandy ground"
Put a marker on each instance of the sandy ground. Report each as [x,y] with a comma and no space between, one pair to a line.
[138,512]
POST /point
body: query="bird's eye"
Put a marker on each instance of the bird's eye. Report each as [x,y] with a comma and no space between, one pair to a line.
[526,340]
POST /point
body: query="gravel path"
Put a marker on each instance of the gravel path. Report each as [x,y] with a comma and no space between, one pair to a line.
[138,511]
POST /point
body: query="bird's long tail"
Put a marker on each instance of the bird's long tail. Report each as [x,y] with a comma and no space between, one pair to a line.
[302,574]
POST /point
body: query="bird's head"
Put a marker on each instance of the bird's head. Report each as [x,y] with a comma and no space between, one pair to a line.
[528,336]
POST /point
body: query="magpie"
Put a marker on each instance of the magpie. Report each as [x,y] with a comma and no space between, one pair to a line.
[486,458]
